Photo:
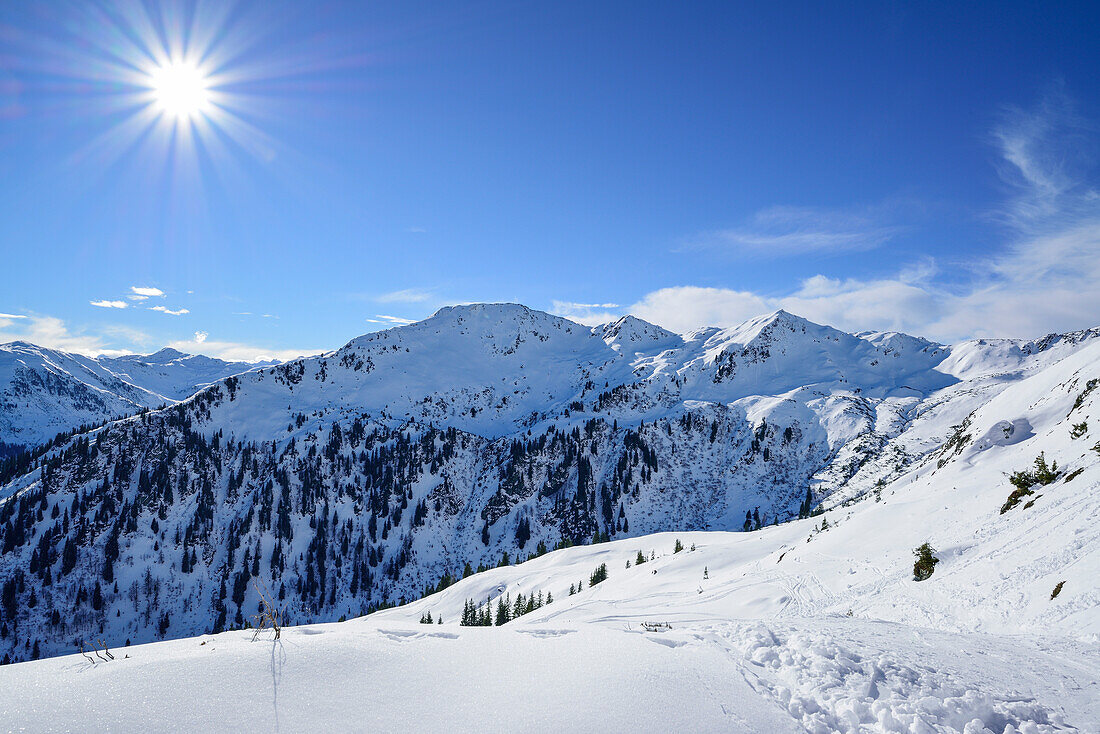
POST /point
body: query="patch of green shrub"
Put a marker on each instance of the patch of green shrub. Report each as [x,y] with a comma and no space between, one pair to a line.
[925,563]
[1089,387]
[1014,499]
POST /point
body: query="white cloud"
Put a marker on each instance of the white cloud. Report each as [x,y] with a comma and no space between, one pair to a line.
[781,231]
[170,312]
[392,319]
[409,295]
[590,314]
[52,333]
[12,316]
[146,291]
[109,304]
[569,304]
[137,299]
[1046,153]
[416,230]
[237,351]
[1038,285]
[684,308]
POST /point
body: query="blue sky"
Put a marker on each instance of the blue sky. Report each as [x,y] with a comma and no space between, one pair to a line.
[915,166]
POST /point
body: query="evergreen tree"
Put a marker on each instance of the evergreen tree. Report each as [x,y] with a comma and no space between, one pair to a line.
[807,505]
[926,562]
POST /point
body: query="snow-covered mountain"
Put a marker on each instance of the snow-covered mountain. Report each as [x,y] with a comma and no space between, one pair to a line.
[44,392]
[814,625]
[368,475]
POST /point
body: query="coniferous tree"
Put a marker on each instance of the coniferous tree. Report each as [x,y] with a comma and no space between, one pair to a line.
[926,562]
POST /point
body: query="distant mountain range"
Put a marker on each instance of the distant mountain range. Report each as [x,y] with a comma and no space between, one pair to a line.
[369,474]
[45,391]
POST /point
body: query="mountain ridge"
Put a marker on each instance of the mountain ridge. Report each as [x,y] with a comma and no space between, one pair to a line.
[361,476]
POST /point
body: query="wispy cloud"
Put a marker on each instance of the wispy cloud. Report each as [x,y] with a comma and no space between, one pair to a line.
[170,312]
[416,230]
[381,318]
[782,231]
[12,316]
[1046,153]
[146,291]
[409,295]
[109,304]
[570,304]
[590,314]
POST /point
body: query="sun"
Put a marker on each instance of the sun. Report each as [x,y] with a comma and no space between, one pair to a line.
[180,90]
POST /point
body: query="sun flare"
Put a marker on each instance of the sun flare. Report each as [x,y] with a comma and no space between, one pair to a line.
[181,90]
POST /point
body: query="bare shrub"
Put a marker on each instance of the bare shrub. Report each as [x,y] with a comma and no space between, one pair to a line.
[268,616]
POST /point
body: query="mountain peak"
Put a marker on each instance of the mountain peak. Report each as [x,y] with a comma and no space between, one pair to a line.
[168,354]
[492,311]
[633,330]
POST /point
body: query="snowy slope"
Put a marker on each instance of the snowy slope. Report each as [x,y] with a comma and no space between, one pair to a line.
[996,571]
[362,476]
[44,392]
[820,675]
